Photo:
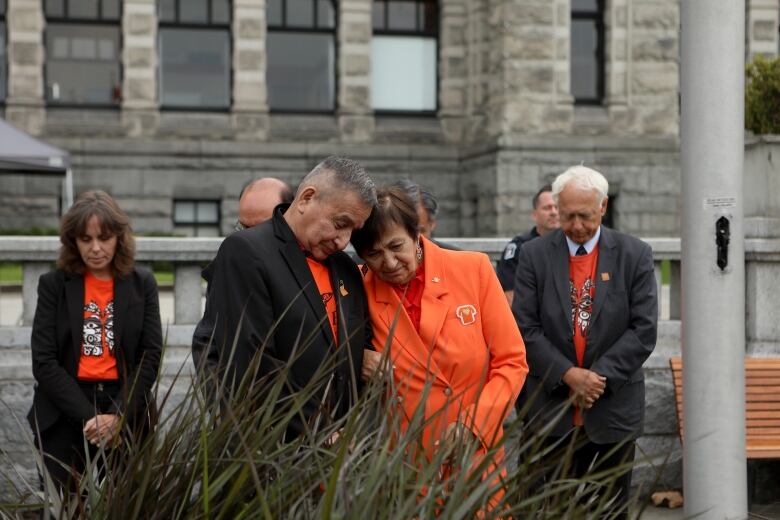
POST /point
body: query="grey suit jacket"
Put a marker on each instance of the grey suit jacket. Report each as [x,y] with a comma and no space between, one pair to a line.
[621,337]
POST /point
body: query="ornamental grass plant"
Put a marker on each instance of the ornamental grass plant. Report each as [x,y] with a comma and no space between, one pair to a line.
[215,455]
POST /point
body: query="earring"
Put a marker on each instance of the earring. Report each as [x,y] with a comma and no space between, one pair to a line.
[419,252]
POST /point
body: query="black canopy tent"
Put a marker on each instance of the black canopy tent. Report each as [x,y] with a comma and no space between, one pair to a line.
[22,153]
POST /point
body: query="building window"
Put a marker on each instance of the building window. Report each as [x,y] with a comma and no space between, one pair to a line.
[3,65]
[82,52]
[194,46]
[404,54]
[587,51]
[196,218]
[301,73]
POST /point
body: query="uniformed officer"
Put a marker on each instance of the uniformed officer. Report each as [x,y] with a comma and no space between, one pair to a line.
[545,217]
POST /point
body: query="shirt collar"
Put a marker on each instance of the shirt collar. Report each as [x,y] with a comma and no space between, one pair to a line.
[589,245]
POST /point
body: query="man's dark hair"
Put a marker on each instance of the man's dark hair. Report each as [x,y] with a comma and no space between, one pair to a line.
[287,194]
[546,187]
[336,174]
[394,206]
[420,195]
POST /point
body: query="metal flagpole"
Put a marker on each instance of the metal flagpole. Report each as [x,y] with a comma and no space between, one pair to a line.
[713,258]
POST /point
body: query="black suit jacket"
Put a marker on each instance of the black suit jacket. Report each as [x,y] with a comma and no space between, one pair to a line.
[261,274]
[621,337]
[56,346]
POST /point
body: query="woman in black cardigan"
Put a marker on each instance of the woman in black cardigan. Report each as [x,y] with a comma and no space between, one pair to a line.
[96,340]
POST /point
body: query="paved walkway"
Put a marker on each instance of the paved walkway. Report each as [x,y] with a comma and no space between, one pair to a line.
[662,513]
[758,512]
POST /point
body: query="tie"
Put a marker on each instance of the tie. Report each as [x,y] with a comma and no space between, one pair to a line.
[581,251]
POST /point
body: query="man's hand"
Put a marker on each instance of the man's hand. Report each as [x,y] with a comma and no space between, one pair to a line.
[371,364]
[101,428]
[587,385]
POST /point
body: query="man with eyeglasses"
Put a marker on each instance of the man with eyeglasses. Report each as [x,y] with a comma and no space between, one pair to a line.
[256,204]
[259,198]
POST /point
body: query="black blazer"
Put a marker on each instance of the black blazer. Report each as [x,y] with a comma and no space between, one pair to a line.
[621,337]
[56,346]
[261,274]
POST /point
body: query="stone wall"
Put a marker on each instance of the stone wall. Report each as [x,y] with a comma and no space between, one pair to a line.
[643,174]
[147,175]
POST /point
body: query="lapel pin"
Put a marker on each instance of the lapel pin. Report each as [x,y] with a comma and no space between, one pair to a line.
[467,314]
[435,279]
[342,290]
[604,277]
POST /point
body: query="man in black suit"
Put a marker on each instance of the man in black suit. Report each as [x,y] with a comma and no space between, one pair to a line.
[256,204]
[586,304]
[285,289]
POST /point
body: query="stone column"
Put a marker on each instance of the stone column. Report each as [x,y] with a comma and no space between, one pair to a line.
[653,38]
[617,57]
[562,97]
[31,272]
[478,61]
[24,104]
[355,115]
[186,293]
[453,69]
[139,58]
[762,21]
[529,61]
[250,92]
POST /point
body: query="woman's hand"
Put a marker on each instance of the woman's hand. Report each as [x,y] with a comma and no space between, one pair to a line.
[456,438]
[371,364]
[102,428]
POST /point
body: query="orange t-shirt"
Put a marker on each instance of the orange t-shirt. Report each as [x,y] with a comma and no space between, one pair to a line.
[97,361]
[325,287]
[582,289]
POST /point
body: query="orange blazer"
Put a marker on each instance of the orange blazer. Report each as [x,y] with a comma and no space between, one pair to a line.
[469,352]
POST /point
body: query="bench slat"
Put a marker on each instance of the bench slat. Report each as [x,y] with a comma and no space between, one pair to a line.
[762,403]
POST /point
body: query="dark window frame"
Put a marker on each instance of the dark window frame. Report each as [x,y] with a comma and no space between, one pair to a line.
[417,32]
[195,224]
[67,20]
[596,16]
[283,27]
[209,25]
[4,43]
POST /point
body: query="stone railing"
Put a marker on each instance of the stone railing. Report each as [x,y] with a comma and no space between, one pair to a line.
[189,255]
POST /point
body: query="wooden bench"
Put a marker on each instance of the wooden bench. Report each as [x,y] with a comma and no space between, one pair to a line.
[762,406]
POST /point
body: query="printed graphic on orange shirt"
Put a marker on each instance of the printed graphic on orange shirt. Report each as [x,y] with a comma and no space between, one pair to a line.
[467,314]
[582,305]
[98,330]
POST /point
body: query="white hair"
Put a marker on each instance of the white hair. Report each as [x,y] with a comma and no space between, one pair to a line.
[584,178]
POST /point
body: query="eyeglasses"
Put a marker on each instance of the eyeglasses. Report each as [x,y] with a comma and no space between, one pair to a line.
[239,226]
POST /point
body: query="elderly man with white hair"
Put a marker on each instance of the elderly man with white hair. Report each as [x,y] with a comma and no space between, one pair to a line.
[586,304]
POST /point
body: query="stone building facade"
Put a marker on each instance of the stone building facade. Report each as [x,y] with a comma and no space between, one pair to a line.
[504,119]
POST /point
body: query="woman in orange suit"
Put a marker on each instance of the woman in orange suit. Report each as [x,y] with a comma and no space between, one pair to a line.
[453,341]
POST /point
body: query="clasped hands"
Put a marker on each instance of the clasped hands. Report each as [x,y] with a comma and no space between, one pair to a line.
[455,438]
[586,385]
[373,364]
[102,429]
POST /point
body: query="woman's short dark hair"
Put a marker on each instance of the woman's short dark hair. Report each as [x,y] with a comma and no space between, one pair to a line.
[394,206]
[113,221]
